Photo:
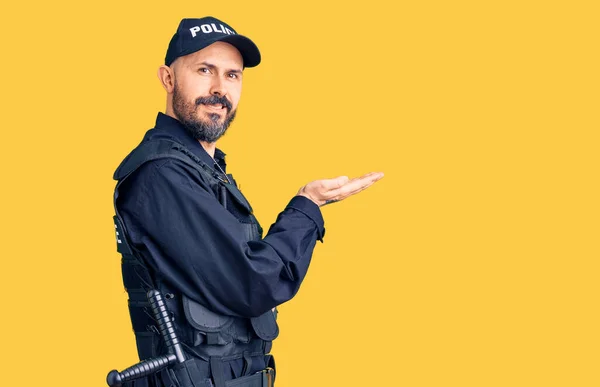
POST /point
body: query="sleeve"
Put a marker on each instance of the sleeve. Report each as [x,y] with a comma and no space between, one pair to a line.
[199,247]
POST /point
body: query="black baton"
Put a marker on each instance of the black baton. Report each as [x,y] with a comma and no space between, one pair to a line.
[150,366]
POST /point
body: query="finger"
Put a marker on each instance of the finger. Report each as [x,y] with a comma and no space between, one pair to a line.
[329,184]
[371,174]
[358,182]
[349,188]
[357,191]
[368,176]
[344,196]
[376,175]
[362,188]
[354,186]
[365,176]
[362,177]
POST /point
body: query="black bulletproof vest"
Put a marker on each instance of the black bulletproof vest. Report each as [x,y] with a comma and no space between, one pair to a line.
[203,333]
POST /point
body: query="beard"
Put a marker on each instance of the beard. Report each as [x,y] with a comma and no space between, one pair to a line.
[207,130]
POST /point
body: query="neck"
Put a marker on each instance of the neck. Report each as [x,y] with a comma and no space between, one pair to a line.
[209,147]
[169,111]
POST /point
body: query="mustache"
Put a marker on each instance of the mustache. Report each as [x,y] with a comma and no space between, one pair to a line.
[212,100]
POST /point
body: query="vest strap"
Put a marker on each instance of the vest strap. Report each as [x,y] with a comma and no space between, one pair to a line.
[217,372]
[212,338]
[247,364]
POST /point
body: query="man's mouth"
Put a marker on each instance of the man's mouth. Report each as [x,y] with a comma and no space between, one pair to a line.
[215,106]
[215,103]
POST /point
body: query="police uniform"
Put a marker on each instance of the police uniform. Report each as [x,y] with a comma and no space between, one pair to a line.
[193,237]
[186,230]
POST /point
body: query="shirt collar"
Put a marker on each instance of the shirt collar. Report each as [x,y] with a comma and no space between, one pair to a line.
[169,127]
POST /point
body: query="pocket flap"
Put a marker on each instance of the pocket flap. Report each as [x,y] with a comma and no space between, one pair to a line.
[203,319]
[265,326]
[239,197]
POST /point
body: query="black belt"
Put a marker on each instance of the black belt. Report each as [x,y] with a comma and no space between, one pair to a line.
[264,378]
[188,375]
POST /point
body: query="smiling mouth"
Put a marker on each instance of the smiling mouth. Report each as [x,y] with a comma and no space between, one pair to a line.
[216,106]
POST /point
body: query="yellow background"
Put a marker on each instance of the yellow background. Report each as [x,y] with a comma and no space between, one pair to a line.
[474,262]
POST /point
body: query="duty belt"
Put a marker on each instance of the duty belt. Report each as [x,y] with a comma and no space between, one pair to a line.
[176,357]
[264,378]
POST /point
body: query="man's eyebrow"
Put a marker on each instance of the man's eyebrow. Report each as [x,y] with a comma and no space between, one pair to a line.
[213,67]
[209,65]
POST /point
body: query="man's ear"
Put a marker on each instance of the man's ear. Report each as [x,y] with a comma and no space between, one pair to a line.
[167,78]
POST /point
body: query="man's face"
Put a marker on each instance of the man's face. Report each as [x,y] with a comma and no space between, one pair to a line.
[207,89]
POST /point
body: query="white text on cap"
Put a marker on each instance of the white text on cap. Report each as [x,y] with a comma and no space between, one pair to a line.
[208,28]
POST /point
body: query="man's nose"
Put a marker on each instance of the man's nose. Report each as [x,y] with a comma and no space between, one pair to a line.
[217,87]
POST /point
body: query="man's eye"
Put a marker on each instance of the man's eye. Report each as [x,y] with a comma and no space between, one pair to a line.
[233,75]
[204,70]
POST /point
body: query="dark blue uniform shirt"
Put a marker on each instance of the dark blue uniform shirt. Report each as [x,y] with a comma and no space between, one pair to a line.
[195,244]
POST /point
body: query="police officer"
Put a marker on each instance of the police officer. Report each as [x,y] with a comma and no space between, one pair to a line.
[192,235]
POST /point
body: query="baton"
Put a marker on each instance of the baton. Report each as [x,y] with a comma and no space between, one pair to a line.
[167,330]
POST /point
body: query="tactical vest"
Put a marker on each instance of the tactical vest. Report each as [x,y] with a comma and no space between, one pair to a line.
[204,334]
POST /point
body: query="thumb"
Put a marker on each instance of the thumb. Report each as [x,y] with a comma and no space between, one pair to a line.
[341,180]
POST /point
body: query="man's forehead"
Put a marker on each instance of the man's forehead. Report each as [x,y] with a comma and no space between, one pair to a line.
[217,54]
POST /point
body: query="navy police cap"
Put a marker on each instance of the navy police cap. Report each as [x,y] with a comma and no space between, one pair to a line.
[195,34]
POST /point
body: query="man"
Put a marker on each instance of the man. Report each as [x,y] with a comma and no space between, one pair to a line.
[192,233]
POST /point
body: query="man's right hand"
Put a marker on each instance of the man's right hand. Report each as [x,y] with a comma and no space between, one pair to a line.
[333,190]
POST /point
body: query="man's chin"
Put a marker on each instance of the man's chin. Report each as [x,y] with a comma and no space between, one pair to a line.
[211,118]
